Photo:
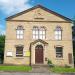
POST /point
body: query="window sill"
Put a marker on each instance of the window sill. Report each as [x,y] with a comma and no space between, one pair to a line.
[59,59]
[9,56]
[19,57]
[19,39]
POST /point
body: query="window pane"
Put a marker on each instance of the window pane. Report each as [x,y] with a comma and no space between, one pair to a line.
[60,37]
[21,36]
[43,32]
[59,49]
[59,55]
[40,37]
[43,36]
[34,37]
[21,31]
[59,32]
[56,37]
[56,32]
[40,32]
[18,32]
[18,36]
[36,32]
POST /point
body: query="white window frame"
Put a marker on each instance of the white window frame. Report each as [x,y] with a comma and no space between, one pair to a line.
[20,32]
[17,55]
[35,32]
[60,53]
[58,33]
[41,33]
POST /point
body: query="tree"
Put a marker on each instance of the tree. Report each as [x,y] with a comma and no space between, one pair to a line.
[73,36]
[2,45]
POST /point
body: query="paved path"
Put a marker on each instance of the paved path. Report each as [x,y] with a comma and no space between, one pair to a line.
[23,73]
[68,74]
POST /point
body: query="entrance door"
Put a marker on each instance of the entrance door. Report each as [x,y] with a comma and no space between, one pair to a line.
[39,54]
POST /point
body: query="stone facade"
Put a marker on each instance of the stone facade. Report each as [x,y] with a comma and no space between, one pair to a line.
[28,19]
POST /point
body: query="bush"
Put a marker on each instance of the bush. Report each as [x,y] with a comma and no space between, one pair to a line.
[50,63]
[67,66]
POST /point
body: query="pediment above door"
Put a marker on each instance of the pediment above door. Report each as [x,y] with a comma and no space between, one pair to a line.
[39,41]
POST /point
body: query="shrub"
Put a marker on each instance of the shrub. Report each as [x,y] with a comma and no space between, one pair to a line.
[67,66]
[50,63]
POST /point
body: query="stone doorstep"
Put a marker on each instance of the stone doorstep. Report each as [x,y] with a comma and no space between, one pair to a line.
[40,69]
[39,65]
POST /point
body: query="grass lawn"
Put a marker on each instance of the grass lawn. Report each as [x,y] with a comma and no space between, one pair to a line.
[15,68]
[62,70]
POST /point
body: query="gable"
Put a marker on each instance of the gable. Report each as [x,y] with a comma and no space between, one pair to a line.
[39,13]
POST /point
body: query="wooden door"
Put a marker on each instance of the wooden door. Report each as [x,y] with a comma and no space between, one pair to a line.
[39,54]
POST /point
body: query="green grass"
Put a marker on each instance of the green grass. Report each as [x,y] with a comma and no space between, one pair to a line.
[62,70]
[15,68]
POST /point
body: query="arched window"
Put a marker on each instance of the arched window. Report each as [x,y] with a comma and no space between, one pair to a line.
[42,33]
[35,32]
[39,33]
[58,33]
[20,32]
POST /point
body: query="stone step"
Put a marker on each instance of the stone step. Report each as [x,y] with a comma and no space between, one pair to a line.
[39,65]
[40,68]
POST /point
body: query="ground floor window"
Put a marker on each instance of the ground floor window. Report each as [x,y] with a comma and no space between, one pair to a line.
[19,51]
[59,52]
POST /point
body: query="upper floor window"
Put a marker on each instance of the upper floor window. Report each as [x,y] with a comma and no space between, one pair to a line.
[42,33]
[58,33]
[20,32]
[39,33]
[35,32]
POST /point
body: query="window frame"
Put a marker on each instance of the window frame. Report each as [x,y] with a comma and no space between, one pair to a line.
[58,53]
[43,34]
[20,35]
[36,29]
[19,53]
[58,36]
[42,29]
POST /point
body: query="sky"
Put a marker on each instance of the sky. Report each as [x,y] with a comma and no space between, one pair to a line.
[10,7]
